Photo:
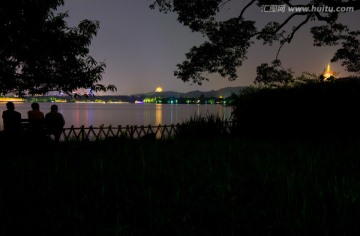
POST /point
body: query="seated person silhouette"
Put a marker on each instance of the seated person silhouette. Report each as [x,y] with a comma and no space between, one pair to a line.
[36,121]
[12,121]
[54,122]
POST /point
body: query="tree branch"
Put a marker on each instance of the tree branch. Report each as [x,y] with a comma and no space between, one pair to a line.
[287,2]
[281,45]
[280,26]
[288,19]
[244,9]
[224,3]
[354,3]
[298,27]
[323,18]
[288,40]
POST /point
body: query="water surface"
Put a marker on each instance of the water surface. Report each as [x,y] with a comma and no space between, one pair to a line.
[96,114]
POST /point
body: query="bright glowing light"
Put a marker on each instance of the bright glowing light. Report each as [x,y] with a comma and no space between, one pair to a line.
[328,73]
[8,99]
[158,90]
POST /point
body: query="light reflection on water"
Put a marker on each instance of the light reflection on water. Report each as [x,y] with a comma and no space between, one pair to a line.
[96,114]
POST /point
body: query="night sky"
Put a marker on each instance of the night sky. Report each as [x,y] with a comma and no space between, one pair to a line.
[141,47]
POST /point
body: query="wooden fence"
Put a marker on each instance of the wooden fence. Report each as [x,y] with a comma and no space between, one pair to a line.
[133,132]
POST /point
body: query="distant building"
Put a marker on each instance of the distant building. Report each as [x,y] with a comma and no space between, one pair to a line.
[328,73]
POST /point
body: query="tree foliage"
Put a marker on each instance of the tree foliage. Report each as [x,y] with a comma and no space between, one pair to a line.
[309,110]
[334,34]
[227,41]
[273,74]
[39,52]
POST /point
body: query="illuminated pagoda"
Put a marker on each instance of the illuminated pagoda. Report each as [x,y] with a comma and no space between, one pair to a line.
[328,73]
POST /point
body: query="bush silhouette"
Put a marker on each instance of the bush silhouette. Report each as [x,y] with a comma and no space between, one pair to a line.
[207,126]
[311,110]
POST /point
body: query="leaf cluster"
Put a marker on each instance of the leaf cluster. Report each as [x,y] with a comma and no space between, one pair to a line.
[39,52]
[273,74]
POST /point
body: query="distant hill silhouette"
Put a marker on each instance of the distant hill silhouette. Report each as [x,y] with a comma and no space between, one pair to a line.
[225,92]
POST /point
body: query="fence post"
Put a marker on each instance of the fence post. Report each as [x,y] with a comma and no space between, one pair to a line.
[131,132]
[161,132]
[134,131]
[119,130]
[82,133]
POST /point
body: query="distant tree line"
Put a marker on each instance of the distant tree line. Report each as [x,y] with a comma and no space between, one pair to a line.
[132,99]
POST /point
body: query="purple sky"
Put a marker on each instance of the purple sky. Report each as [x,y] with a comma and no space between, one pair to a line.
[141,47]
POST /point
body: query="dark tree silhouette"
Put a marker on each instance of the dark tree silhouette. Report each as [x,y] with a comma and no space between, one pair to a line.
[273,74]
[229,40]
[39,52]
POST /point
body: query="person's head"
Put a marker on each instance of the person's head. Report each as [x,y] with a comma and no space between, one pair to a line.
[54,108]
[35,106]
[10,106]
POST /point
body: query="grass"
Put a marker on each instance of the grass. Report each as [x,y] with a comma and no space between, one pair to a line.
[208,186]
[199,126]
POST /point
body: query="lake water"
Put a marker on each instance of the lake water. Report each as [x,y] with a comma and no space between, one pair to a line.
[114,114]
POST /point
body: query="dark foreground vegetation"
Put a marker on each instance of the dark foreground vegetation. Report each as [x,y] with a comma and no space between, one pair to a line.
[277,174]
[224,186]
[314,109]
